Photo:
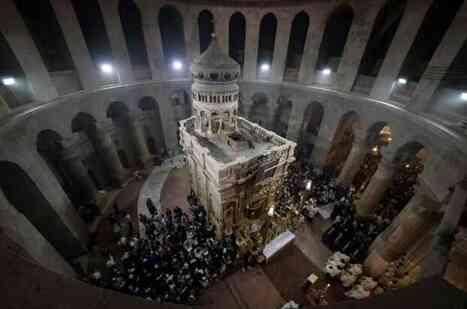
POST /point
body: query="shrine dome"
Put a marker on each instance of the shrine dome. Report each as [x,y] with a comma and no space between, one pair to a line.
[214,65]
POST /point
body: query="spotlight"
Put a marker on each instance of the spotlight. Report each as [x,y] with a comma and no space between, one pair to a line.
[402,81]
[177,65]
[9,81]
[375,149]
[265,67]
[464,96]
[308,185]
[107,68]
[326,71]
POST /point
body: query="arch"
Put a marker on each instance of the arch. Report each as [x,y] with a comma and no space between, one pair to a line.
[83,122]
[296,46]
[435,24]
[172,33]
[342,141]
[282,116]
[335,37]
[267,38]
[50,148]
[378,135]
[408,165]
[453,82]
[24,195]
[205,28]
[133,30]
[118,112]
[95,34]
[241,106]
[259,111]
[152,123]
[382,34]
[46,33]
[181,103]
[10,67]
[309,129]
[237,33]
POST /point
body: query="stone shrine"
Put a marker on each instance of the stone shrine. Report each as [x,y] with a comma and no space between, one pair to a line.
[236,166]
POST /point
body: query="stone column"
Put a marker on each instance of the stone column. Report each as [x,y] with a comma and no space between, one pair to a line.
[137,136]
[444,55]
[413,221]
[379,183]
[106,148]
[280,48]
[411,21]
[75,169]
[357,40]
[311,51]
[113,25]
[79,52]
[251,49]
[20,41]
[436,262]
[152,37]
[354,160]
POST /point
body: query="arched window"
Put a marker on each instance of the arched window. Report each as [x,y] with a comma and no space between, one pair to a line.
[132,28]
[335,38]
[435,24]
[237,32]
[382,34]
[267,38]
[206,29]
[172,35]
[46,33]
[10,67]
[296,45]
[92,25]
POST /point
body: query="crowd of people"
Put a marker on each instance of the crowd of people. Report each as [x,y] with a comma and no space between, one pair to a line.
[177,257]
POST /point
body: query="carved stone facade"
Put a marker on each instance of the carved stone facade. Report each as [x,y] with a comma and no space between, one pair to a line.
[235,165]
